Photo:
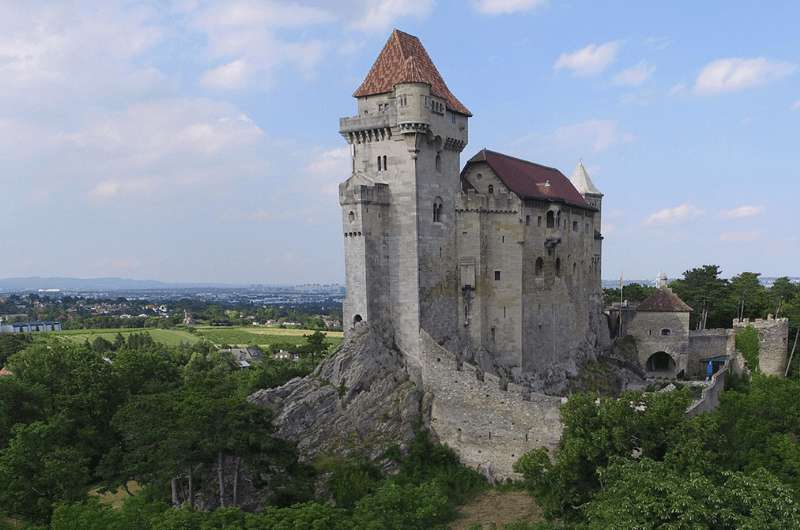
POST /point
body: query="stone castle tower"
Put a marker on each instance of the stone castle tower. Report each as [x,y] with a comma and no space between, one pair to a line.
[499,262]
[398,205]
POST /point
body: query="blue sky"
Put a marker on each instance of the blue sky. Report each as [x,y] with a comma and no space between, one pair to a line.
[197,141]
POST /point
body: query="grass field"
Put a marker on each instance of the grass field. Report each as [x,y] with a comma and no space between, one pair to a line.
[170,337]
[233,336]
[262,336]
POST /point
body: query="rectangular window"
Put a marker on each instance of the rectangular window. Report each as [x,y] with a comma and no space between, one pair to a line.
[574,226]
[527,220]
[497,275]
[539,221]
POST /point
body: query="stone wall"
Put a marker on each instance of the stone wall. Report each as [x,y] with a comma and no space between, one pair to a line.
[646,328]
[490,423]
[709,399]
[773,343]
[705,344]
[528,318]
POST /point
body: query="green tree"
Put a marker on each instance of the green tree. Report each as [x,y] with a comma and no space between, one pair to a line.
[11,343]
[19,404]
[650,494]
[40,467]
[596,430]
[702,287]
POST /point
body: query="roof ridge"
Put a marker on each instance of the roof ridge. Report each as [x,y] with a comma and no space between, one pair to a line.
[522,160]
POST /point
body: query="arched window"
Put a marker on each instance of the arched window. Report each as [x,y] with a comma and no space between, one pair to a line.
[551,220]
[356,319]
[539,268]
[438,162]
[437,210]
[384,163]
[491,188]
[351,216]
[574,268]
[666,332]
[379,164]
[558,266]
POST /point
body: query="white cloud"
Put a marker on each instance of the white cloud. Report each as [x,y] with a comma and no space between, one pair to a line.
[245,40]
[379,15]
[162,145]
[734,74]
[328,168]
[635,75]
[590,60]
[796,105]
[740,237]
[682,212]
[742,212]
[592,135]
[678,89]
[113,189]
[230,76]
[506,7]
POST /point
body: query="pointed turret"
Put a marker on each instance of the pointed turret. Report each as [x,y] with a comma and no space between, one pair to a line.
[404,60]
[580,179]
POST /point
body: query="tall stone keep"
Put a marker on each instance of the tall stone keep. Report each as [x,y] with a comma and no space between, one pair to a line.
[398,206]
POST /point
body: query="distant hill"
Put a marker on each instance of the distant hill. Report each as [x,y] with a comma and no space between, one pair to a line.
[38,283]
[35,283]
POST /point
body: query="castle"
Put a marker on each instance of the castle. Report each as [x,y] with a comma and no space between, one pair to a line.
[499,263]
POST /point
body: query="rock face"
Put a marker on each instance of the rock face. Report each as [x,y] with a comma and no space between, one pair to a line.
[360,400]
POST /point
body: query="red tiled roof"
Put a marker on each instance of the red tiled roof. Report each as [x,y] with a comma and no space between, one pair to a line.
[664,301]
[530,180]
[404,60]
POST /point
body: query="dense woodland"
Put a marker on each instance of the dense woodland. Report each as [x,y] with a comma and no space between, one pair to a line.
[153,424]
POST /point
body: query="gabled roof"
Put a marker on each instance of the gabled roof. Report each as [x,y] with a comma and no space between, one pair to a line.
[664,301]
[404,60]
[530,180]
[580,179]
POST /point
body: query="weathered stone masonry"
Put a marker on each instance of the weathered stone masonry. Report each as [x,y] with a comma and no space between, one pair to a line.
[480,277]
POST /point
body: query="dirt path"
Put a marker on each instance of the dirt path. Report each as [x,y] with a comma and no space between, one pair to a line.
[498,507]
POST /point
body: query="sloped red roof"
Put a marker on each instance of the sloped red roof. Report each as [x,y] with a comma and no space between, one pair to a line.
[664,301]
[404,60]
[530,180]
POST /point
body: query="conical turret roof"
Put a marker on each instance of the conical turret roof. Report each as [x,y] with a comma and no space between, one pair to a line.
[663,301]
[580,179]
[404,60]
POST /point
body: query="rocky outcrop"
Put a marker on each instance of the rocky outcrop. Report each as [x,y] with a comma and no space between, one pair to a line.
[360,400]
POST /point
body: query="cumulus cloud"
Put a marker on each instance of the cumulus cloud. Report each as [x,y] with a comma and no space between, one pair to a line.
[742,212]
[635,75]
[590,60]
[245,42]
[506,7]
[592,135]
[175,143]
[736,73]
[740,237]
[230,76]
[682,212]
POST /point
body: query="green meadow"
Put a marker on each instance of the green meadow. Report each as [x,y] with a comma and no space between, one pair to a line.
[170,337]
[262,336]
[232,336]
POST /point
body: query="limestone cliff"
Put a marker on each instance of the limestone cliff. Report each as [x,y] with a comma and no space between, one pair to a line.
[359,400]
